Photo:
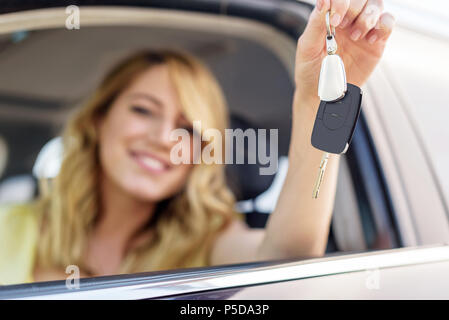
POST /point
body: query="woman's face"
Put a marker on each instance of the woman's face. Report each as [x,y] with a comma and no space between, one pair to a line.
[134,138]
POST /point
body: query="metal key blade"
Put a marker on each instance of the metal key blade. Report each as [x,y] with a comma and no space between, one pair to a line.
[320,177]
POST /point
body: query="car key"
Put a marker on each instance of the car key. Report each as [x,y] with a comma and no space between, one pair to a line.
[339,107]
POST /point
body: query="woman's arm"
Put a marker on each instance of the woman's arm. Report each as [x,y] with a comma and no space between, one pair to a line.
[299,225]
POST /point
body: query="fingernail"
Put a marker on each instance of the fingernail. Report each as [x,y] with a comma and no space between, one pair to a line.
[344,23]
[371,9]
[372,39]
[335,20]
[319,5]
[388,22]
[355,35]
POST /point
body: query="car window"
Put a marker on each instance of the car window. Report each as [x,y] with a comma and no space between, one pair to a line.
[256,77]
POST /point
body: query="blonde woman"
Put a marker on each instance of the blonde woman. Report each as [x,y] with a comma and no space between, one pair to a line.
[119,205]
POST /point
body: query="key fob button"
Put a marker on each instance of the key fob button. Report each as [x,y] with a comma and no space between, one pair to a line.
[333,121]
[335,114]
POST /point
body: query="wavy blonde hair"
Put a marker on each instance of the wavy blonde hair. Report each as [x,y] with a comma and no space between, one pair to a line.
[185,225]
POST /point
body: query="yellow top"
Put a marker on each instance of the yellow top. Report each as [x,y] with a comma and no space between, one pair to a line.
[18,238]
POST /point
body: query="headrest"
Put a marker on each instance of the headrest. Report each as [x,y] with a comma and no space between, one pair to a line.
[49,159]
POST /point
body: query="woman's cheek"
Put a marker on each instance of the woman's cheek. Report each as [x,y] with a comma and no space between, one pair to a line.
[130,125]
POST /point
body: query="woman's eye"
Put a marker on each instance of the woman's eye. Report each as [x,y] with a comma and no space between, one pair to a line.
[141,110]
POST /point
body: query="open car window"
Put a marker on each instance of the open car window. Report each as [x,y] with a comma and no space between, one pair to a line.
[37,98]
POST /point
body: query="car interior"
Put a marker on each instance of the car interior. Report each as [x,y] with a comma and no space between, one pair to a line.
[47,73]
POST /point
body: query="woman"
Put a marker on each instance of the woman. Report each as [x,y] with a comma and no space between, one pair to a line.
[119,205]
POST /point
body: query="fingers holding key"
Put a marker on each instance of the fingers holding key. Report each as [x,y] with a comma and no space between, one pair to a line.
[355,8]
[383,28]
[338,10]
[366,20]
[308,46]
[356,18]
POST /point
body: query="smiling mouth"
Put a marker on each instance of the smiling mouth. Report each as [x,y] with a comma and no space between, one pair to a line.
[150,163]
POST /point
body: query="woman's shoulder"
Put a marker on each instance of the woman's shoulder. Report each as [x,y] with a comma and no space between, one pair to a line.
[11,209]
[18,235]
[16,219]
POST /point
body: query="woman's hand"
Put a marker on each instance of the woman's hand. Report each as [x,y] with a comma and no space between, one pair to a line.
[362,30]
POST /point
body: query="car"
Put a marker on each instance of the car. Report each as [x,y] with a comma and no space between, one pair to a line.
[390,224]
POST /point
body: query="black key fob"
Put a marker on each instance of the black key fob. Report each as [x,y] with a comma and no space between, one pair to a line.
[335,121]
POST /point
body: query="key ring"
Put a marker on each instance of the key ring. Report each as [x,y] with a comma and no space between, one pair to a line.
[331,44]
[330,29]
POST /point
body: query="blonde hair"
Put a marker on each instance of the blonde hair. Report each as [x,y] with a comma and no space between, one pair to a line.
[185,225]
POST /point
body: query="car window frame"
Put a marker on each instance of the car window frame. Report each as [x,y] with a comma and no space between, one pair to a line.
[258,13]
[157,285]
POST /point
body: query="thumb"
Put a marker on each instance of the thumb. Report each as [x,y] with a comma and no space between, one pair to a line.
[312,41]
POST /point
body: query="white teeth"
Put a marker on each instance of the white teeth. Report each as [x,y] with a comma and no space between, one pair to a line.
[152,163]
